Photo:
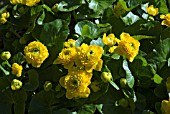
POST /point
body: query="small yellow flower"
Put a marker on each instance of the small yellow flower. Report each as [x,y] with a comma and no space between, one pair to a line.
[66,57]
[35,53]
[25,2]
[30,2]
[89,56]
[165,107]
[17,69]
[76,83]
[16,84]
[70,43]
[151,10]
[95,86]
[166,20]
[3,17]
[109,40]
[128,46]
[16,2]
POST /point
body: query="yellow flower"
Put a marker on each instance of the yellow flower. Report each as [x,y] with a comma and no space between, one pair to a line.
[76,83]
[111,50]
[3,17]
[16,2]
[109,40]
[35,53]
[89,56]
[128,46]
[166,20]
[30,2]
[17,69]
[16,84]
[66,57]
[70,43]
[165,107]
[151,10]
[25,2]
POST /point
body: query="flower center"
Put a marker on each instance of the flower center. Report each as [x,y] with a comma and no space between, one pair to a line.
[35,51]
[75,83]
[67,52]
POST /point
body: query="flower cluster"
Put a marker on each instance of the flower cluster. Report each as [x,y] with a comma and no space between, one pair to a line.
[25,2]
[36,53]
[3,17]
[80,62]
[127,45]
[86,57]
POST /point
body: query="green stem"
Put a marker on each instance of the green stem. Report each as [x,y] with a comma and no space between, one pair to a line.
[5,71]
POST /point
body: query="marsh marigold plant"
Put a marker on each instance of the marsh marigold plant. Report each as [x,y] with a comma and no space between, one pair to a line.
[84,56]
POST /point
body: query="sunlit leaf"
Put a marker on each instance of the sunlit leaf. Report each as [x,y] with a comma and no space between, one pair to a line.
[129,76]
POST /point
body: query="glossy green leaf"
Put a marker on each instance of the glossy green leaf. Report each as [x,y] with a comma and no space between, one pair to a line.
[160,53]
[157,79]
[58,30]
[67,5]
[130,18]
[129,76]
[97,42]
[33,82]
[87,109]
[99,5]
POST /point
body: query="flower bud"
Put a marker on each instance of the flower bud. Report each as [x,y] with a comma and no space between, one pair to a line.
[106,76]
[123,82]
[47,86]
[16,84]
[5,55]
[123,102]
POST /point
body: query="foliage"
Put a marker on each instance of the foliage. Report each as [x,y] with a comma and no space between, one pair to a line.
[86,57]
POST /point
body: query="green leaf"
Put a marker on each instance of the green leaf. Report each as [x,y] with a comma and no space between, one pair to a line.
[163,7]
[58,30]
[44,102]
[98,6]
[161,53]
[67,5]
[88,29]
[129,76]
[157,79]
[87,109]
[97,42]
[33,80]
[130,18]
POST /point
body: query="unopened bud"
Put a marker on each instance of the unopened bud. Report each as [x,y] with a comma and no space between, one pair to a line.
[106,76]
[5,55]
